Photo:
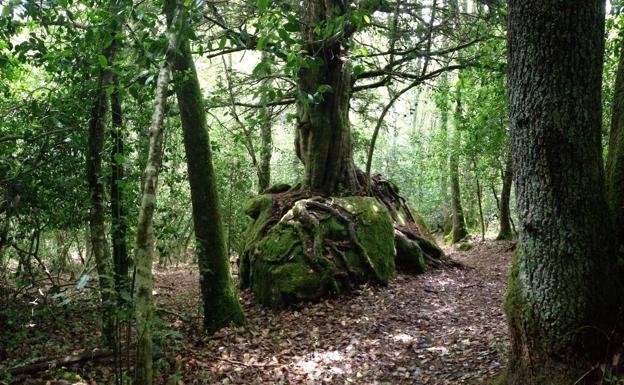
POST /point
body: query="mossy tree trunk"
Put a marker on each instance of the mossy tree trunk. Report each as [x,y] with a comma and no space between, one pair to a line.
[615,158]
[458,231]
[562,290]
[504,231]
[266,138]
[220,300]
[323,135]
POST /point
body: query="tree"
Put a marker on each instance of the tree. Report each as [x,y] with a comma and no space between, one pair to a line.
[615,158]
[220,300]
[458,231]
[97,125]
[323,136]
[144,246]
[119,220]
[563,287]
[504,231]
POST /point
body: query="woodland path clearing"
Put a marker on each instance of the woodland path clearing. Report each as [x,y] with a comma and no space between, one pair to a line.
[442,327]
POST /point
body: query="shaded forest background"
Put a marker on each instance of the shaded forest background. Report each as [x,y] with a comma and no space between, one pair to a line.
[85,124]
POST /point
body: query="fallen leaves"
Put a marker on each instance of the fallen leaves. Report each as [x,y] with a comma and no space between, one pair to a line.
[442,327]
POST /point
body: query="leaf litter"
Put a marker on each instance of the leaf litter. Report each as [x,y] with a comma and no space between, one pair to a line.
[445,326]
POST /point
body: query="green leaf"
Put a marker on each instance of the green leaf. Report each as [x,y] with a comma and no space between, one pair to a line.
[261,69]
[103,61]
[119,158]
[263,5]
[357,69]
[323,88]
[222,42]
[292,26]
[262,42]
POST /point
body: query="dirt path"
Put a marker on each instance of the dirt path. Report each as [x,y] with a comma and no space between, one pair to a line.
[442,327]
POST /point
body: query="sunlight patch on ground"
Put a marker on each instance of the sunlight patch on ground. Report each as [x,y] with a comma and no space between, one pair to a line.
[319,362]
[402,337]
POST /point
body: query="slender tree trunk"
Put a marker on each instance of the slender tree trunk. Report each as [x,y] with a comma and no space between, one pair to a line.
[266,139]
[323,135]
[144,247]
[479,201]
[95,147]
[447,217]
[458,231]
[505,214]
[615,158]
[220,300]
[562,294]
[118,211]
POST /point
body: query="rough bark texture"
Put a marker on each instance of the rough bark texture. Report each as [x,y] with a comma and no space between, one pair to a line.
[561,297]
[323,135]
[119,222]
[504,231]
[220,300]
[615,159]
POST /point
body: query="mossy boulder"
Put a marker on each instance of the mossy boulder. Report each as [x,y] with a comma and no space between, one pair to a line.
[317,248]
[303,248]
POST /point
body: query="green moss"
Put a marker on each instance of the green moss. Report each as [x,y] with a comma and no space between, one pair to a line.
[513,295]
[464,246]
[293,260]
[409,256]
[422,225]
[375,232]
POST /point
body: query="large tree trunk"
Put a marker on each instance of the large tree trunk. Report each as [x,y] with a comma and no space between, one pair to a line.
[458,232]
[504,231]
[145,240]
[119,222]
[95,147]
[323,136]
[562,295]
[615,158]
[220,300]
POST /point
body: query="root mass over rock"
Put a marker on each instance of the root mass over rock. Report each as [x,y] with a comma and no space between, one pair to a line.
[301,247]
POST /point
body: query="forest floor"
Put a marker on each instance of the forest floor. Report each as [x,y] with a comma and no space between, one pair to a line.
[442,327]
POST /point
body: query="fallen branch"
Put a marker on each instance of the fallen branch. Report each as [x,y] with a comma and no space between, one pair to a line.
[47,363]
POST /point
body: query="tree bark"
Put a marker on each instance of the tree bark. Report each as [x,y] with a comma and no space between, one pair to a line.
[220,300]
[479,201]
[505,232]
[323,135]
[119,222]
[95,147]
[458,231]
[144,247]
[266,138]
[562,291]
[447,216]
[615,158]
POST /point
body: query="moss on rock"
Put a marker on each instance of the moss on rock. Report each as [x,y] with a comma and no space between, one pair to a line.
[315,249]
[409,256]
